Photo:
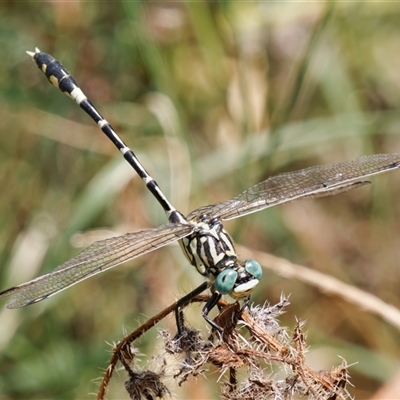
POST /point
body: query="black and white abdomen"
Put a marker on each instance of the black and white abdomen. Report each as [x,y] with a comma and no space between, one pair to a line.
[209,248]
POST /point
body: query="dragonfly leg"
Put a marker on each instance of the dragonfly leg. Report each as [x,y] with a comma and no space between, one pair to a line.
[211,303]
[246,303]
[182,303]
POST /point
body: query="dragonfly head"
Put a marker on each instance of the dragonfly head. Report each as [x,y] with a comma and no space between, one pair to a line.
[239,281]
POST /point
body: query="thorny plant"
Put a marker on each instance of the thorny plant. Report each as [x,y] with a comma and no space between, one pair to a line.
[273,360]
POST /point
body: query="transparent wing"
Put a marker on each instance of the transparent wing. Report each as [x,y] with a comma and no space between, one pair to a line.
[98,257]
[318,181]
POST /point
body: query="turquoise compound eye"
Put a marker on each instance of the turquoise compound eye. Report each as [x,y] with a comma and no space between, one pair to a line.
[253,268]
[226,281]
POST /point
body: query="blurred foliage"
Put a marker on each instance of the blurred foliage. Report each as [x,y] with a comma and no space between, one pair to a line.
[213,97]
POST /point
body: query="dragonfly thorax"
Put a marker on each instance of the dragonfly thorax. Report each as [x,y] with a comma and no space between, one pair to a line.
[210,249]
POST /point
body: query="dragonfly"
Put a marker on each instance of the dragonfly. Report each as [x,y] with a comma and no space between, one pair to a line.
[201,235]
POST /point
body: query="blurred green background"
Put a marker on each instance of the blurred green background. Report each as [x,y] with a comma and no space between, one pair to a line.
[213,97]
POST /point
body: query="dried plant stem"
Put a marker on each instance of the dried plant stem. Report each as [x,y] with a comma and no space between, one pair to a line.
[266,344]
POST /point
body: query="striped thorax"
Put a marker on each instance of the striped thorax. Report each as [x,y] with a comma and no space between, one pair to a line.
[210,249]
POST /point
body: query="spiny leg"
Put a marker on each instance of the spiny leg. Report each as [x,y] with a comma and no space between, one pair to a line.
[210,304]
[182,302]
